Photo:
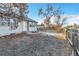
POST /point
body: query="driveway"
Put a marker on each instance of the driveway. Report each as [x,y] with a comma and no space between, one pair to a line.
[60,36]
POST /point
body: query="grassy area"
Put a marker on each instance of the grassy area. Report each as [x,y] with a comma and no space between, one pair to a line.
[61,36]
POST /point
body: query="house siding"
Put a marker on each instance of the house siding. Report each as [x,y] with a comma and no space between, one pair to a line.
[5,30]
[32,26]
[22,26]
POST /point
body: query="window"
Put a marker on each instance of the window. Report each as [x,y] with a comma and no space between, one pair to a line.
[3,22]
[32,24]
[13,25]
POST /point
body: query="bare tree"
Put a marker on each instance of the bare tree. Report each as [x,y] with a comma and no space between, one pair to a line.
[52,11]
[59,23]
[47,14]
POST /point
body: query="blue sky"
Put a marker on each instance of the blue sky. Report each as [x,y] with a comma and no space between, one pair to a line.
[67,8]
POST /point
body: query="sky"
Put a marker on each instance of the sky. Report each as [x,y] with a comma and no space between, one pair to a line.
[70,9]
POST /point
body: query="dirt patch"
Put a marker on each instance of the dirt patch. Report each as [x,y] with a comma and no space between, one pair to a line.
[14,36]
[24,44]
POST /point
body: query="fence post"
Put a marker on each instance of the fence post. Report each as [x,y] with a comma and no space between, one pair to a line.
[75,43]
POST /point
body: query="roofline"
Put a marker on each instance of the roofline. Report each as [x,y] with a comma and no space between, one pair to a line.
[31,20]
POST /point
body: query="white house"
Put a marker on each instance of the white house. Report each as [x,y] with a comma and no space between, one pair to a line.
[10,26]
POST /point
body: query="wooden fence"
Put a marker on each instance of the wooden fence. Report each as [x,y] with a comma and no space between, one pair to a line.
[73,40]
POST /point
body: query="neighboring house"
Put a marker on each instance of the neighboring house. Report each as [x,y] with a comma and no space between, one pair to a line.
[13,26]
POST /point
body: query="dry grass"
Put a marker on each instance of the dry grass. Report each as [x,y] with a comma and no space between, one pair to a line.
[61,36]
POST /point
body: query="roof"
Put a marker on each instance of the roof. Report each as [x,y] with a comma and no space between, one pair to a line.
[31,20]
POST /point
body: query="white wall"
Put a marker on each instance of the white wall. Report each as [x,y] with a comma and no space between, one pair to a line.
[19,29]
[4,30]
[24,25]
[32,28]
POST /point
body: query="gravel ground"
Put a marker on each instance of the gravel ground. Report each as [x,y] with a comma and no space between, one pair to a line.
[32,45]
